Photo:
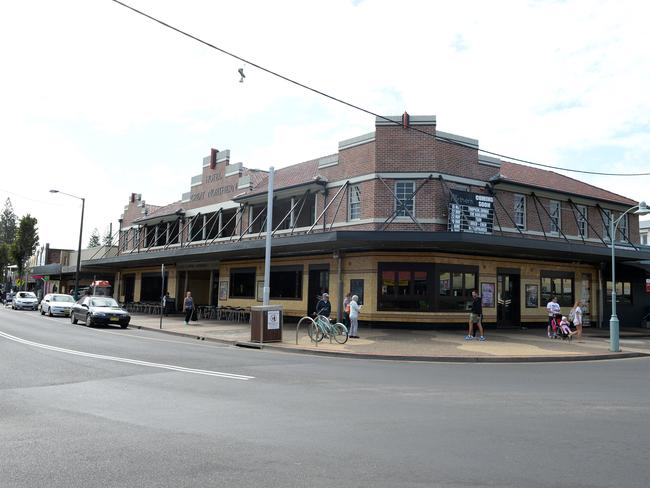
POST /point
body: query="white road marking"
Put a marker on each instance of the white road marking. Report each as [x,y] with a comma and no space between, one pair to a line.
[172,367]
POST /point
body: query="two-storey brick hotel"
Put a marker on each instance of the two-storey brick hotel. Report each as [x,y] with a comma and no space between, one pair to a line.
[409,218]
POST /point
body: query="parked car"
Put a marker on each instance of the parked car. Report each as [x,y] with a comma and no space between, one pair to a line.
[57,304]
[24,300]
[99,310]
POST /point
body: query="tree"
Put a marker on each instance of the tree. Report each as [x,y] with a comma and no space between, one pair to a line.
[94,239]
[25,243]
[4,261]
[8,223]
[107,240]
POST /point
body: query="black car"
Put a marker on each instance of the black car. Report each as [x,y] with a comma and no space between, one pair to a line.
[99,310]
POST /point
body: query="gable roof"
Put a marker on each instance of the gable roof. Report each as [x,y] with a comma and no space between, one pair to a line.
[552,181]
[291,176]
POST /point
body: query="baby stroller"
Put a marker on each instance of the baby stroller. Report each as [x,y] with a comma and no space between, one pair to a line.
[560,330]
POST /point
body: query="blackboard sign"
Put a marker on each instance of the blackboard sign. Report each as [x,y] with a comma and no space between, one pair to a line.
[471,212]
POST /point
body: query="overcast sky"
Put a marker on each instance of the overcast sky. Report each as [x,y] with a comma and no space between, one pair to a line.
[99,102]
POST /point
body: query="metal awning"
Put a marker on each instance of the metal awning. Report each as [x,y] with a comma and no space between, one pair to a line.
[351,241]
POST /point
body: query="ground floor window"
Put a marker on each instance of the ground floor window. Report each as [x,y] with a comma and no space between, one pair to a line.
[425,287]
[152,287]
[455,285]
[557,284]
[623,292]
[286,282]
[242,283]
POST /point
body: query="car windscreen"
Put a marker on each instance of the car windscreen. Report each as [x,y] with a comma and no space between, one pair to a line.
[103,302]
[62,298]
[26,294]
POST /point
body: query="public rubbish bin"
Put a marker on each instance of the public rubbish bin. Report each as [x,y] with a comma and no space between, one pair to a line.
[266,320]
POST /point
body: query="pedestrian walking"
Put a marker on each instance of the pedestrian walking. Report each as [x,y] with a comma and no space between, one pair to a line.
[188,307]
[575,316]
[475,317]
[553,309]
[165,302]
[355,308]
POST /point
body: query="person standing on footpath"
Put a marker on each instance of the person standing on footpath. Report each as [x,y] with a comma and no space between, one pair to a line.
[324,307]
[346,311]
[553,309]
[475,317]
[188,307]
[355,308]
[576,317]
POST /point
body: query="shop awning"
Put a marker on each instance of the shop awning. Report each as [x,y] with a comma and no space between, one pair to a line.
[350,241]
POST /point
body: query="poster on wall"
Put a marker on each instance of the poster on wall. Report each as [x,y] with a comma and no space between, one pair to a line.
[223,290]
[647,285]
[487,294]
[532,296]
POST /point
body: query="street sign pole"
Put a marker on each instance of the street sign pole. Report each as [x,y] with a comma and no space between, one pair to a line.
[162,291]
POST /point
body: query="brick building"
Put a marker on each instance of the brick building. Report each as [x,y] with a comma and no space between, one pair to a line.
[408,217]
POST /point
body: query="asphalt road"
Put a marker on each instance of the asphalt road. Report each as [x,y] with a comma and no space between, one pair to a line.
[107,407]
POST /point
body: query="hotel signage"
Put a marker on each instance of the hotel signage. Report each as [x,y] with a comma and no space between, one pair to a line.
[471,212]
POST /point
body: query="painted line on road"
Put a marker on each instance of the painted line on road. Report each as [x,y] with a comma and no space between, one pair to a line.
[171,367]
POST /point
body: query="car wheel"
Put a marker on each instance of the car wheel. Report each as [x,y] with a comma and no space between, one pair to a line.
[49,312]
[42,311]
[73,319]
[89,320]
[124,326]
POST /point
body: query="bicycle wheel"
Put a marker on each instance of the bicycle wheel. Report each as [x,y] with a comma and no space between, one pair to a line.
[318,332]
[340,333]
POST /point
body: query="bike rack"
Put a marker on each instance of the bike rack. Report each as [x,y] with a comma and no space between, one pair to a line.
[306,319]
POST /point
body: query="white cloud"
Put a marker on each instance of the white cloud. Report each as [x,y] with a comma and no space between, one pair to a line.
[103,102]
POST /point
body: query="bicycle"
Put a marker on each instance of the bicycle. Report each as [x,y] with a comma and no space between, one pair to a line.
[323,327]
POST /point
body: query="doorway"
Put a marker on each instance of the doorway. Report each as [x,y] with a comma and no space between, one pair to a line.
[319,282]
[129,288]
[508,298]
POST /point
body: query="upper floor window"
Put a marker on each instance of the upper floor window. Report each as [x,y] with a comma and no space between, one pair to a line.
[354,203]
[623,228]
[644,239]
[607,217]
[555,208]
[520,211]
[582,220]
[404,192]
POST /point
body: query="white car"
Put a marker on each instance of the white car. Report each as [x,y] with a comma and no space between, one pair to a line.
[56,304]
[24,300]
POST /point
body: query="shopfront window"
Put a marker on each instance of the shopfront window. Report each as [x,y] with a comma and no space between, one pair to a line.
[557,284]
[286,283]
[455,285]
[406,287]
[242,283]
[623,292]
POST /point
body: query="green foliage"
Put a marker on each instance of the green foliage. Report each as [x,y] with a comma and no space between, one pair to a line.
[8,223]
[25,243]
[94,239]
[5,259]
[107,240]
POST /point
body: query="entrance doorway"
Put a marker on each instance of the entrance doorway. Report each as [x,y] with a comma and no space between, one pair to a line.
[129,288]
[508,298]
[319,282]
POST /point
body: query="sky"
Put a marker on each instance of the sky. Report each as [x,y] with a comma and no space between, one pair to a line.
[100,102]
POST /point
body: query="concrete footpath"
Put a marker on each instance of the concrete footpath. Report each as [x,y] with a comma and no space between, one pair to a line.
[511,345]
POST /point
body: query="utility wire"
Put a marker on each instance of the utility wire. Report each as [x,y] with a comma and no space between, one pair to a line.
[369,112]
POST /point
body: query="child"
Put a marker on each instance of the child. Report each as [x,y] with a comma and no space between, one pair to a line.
[566,328]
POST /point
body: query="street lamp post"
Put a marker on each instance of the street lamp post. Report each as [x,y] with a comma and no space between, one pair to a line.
[641,209]
[81,228]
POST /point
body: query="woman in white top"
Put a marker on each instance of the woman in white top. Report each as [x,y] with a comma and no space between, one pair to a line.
[355,308]
[576,312]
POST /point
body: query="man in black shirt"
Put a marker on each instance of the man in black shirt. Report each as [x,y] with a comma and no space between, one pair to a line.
[475,317]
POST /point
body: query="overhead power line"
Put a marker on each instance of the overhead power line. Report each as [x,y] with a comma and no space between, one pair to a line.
[369,112]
